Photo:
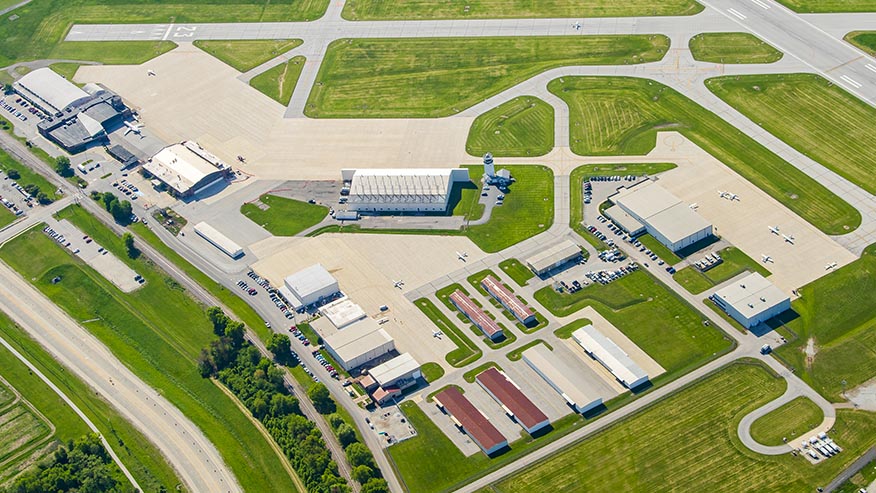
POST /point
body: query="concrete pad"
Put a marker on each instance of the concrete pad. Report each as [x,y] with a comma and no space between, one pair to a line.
[195,96]
[105,263]
[366,266]
[532,385]
[462,441]
[493,412]
[645,362]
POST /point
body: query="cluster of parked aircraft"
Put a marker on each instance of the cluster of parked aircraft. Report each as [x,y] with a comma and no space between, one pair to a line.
[728,195]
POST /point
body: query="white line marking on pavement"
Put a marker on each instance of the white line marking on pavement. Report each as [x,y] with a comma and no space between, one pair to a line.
[167,33]
[761,4]
[870,67]
[736,13]
[851,81]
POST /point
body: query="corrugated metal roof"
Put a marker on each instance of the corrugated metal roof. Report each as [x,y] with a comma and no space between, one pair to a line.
[610,354]
[473,422]
[474,312]
[501,387]
[506,297]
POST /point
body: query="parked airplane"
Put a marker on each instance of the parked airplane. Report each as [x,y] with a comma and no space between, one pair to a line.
[829,266]
[135,128]
[437,334]
[694,206]
[789,239]
[150,73]
[774,230]
[461,255]
[577,26]
[766,258]
[398,283]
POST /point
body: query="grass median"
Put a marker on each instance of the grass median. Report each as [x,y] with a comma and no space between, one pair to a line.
[278,83]
[523,126]
[732,48]
[734,262]
[863,40]
[516,271]
[799,416]
[826,6]
[622,115]
[245,55]
[283,216]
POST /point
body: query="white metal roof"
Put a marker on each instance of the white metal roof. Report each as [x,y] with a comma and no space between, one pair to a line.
[610,354]
[575,385]
[183,165]
[394,369]
[752,295]
[403,185]
[310,280]
[92,126]
[218,239]
[357,339]
[47,86]
[661,209]
[559,252]
[342,312]
[678,222]
[624,220]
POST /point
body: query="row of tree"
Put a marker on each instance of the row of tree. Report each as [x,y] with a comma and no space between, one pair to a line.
[83,465]
[120,209]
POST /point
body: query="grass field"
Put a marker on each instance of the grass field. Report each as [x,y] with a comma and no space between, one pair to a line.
[528,209]
[42,24]
[516,271]
[245,55]
[658,248]
[422,78]
[114,52]
[735,262]
[838,312]
[565,331]
[496,9]
[6,217]
[284,216]
[864,40]
[66,70]
[620,115]
[732,48]
[789,421]
[823,6]
[516,354]
[523,126]
[466,351]
[158,331]
[651,315]
[828,125]
[698,424]
[28,176]
[279,82]
[432,371]
[581,173]
[141,457]
[26,434]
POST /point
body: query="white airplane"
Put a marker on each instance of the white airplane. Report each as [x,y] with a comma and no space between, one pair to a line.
[398,283]
[789,239]
[694,206]
[150,73]
[721,193]
[732,196]
[135,128]
[829,266]
[461,256]
[437,334]
[774,230]
[577,26]
[766,258]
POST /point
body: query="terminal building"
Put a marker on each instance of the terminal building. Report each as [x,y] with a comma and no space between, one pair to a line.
[309,287]
[649,207]
[611,356]
[470,420]
[752,300]
[401,190]
[48,91]
[477,316]
[186,168]
[515,403]
[507,299]
[581,393]
[358,344]
[545,261]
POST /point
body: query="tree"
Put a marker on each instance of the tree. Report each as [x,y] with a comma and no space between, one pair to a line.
[121,211]
[42,198]
[346,435]
[282,405]
[205,364]
[32,189]
[7,89]
[62,166]
[108,199]
[322,400]
[235,331]
[375,485]
[361,474]
[218,319]
[281,346]
[13,173]
[335,420]
[359,455]
[132,250]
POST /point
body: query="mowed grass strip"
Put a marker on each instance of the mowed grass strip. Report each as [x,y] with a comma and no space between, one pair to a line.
[112,52]
[523,126]
[497,9]
[466,351]
[145,462]
[824,6]
[863,40]
[284,216]
[735,262]
[829,125]
[648,313]
[790,421]
[516,271]
[245,55]
[158,331]
[434,77]
[732,48]
[688,442]
[838,313]
[42,24]
[278,83]
[622,115]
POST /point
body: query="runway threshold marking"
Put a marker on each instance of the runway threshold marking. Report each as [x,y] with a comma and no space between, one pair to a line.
[851,81]
[761,4]
[870,67]
[736,13]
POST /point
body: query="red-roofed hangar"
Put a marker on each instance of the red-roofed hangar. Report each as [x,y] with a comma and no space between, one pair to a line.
[512,400]
[477,316]
[511,303]
[470,420]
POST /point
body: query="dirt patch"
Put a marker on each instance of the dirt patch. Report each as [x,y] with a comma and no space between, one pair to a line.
[810,351]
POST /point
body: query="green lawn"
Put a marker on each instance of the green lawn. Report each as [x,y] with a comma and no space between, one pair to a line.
[432,371]
[158,331]
[284,216]
[838,311]
[470,375]
[523,126]
[112,52]
[421,78]
[565,331]
[516,271]
[516,354]
[732,48]
[66,70]
[42,24]
[279,82]
[28,176]
[789,421]
[496,9]
[864,40]
[140,456]
[828,123]
[659,249]
[688,442]
[622,115]
[823,6]
[245,55]
[6,217]
[528,209]
[735,262]
[466,351]
[651,315]
[581,173]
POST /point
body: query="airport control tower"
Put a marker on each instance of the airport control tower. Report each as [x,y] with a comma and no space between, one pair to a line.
[501,179]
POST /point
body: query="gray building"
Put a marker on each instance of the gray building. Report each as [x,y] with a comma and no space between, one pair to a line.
[752,300]
[547,260]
